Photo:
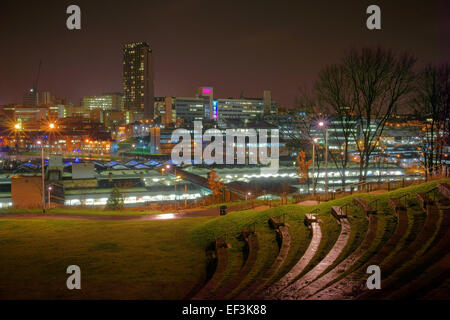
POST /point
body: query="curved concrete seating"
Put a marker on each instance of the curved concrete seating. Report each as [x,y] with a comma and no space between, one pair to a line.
[440,292]
[438,250]
[258,284]
[301,264]
[344,265]
[290,292]
[349,286]
[364,205]
[444,189]
[222,260]
[420,244]
[337,212]
[252,241]
[424,200]
[431,278]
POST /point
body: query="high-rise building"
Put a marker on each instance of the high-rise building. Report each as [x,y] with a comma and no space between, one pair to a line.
[138,85]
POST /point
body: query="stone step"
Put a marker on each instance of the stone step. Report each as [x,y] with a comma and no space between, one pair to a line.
[418,246]
[253,247]
[221,255]
[364,205]
[344,265]
[290,292]
[260,283]
[418,264]
[301,264]
[350,286]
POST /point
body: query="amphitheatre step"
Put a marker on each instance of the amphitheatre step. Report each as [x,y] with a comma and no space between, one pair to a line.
[424,200]
[283,232]
[290,292]
[364,205]
[349,286]
[252,242]
[393,288]
[441,292]
[337,212]
[301,264]
[431,278]
[221,254]
[444,189]
[345,264]
[419,245]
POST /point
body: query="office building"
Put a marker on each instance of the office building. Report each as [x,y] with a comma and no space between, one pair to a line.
[190,109]
[106,102]
[138,83]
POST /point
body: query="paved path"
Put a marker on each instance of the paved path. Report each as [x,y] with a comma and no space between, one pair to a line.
[300,265]
[290,293]
[309,203]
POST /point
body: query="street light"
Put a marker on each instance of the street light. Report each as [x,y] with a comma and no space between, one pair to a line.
[322,124]
[313,165]
[43,175]
[49,189]
[51,126]
[176,180]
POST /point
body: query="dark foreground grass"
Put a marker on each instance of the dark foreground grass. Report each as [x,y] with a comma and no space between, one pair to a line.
[118,260]
[157,259]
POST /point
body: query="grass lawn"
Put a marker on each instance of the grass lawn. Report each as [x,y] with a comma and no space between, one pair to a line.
[118,260]
[166,259]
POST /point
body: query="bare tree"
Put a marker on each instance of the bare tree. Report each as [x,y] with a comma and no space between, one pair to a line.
[334,94]
[432,103]
[379,82]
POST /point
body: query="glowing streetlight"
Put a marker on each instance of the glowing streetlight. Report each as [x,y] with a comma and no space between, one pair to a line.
[49,190]
[43,174]
[51,125]
[18,126]
[314,141]
[322,125]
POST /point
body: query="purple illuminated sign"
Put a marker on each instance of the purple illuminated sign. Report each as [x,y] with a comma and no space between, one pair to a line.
[207,91]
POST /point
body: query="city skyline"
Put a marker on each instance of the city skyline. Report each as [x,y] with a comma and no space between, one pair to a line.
[188,56]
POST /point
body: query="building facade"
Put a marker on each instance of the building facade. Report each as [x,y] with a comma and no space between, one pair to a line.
[106,102]
[138,82]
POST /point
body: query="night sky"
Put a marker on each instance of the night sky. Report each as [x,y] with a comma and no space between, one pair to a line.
[233,46]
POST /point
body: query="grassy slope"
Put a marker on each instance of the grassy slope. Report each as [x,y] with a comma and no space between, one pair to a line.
[118,260]
[156,259]
[233,223]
